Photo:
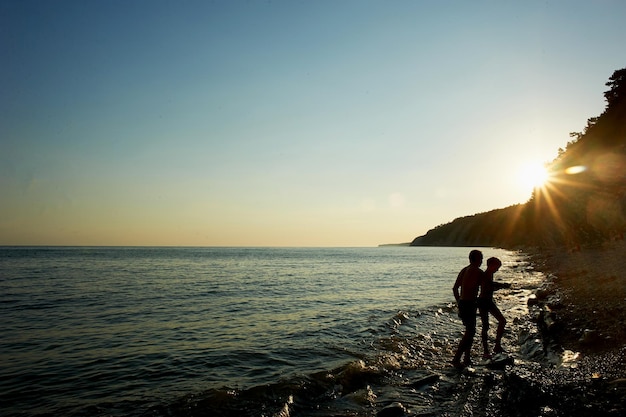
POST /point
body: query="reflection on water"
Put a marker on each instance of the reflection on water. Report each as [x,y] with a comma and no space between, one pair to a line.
[120,330]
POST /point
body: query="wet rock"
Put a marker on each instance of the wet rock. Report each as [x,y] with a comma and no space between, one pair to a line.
[531,347]
[427,380]
[361,397]
[500,362]
[554,303]
[392,410]
[532,300]
[356,375]
[550,320]
[542,293]
[589,337]
[535,314]
[522,394]
[569,359]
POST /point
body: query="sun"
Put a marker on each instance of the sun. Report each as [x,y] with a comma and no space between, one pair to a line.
[533,175]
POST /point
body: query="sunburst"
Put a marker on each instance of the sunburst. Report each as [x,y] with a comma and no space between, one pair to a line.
[534,175]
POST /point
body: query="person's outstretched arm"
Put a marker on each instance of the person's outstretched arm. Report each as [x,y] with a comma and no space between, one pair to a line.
[500,285]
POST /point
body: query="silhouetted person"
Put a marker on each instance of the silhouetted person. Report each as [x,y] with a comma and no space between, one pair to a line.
[468,282]
[486,306]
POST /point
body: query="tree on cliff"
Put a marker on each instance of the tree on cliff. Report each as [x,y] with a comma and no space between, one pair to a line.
[617,92]
[584,201]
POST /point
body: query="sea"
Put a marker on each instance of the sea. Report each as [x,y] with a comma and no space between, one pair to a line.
[223,331]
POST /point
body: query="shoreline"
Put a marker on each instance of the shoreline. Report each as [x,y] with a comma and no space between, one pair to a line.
[579,311]
[412,375]
[586,295]
[564,338]
[544,374]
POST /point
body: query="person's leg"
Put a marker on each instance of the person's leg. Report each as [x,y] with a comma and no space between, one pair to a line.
[456,361]
[469,340]
[495,311]
[484,318]
[468,337]
[467,314]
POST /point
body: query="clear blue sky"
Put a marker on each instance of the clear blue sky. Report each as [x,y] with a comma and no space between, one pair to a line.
[285,123]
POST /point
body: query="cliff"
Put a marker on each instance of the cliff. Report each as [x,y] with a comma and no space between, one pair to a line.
[583,202]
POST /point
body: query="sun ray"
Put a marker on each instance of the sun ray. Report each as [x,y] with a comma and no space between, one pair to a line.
[552,199]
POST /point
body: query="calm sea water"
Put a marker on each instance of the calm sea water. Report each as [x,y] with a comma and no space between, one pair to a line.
[127,331]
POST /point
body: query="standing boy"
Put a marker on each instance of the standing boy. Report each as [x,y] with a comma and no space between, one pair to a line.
[465,292]
[486,305]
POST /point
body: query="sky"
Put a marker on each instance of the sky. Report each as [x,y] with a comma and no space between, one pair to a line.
[285,123]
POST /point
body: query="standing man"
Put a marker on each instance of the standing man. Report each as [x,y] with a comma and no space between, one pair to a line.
[468,281]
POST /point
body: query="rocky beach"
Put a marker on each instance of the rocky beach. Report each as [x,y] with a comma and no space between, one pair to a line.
[586,294]
[566,345]
[580,312]
[570,354]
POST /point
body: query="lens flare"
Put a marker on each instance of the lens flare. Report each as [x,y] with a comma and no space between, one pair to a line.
[577,169]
